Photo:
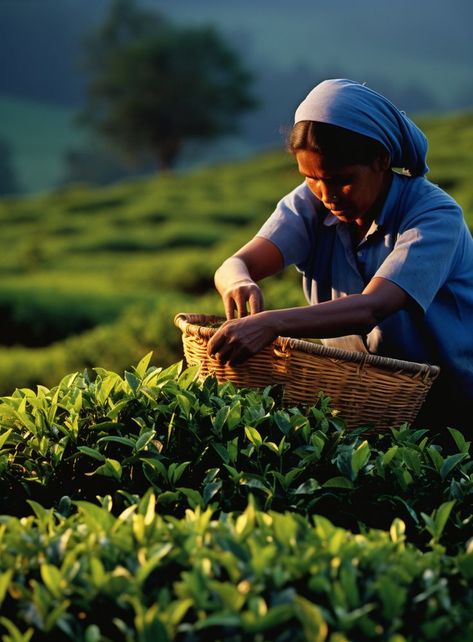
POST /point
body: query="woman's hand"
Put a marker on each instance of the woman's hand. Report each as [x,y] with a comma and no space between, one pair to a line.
[239,339]
[242,298]
[236,279]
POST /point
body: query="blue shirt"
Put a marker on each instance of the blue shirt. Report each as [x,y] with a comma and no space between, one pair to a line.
[420,242]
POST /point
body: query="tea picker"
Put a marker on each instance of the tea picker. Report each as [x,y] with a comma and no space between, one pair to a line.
[385,255]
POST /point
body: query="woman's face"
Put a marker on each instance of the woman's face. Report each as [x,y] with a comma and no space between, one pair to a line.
[352,193]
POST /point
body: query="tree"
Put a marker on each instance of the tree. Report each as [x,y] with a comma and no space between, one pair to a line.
[153,89]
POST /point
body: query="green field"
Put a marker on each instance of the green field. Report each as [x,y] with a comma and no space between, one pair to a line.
[93,276]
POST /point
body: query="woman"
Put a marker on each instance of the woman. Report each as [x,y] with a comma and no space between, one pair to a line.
[386,256]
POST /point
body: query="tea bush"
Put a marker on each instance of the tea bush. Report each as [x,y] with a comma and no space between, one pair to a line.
[204,444]
[152,506]
[137,330]
[253,576]
[38,316]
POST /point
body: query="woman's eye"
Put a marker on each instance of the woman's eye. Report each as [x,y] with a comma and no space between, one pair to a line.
[340,181]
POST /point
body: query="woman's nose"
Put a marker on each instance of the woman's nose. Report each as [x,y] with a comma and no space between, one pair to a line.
[329,194]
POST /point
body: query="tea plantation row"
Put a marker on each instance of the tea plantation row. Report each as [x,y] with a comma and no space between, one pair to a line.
[156,507]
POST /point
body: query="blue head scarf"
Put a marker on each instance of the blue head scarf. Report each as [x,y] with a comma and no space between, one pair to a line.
[354,106]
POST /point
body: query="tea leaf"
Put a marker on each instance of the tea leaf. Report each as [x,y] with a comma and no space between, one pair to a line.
[52,578]
[282,421]
[176,471]
[91,452]
[189,375]
[210,490]
[359,458]
[194,497]
[95,516]
[397,531]
[142,365]
[177,610]
[338,482]
[234,416]
[97,572]
[275,617]
[150,628]
[220,418]
[104,388]
[441,516]
[222,451]
[125,441]
[92,633]
[449,463]
[224,620]
[144,439]
[5,578]
[436,458]
[111,468]
[184,404]
[460,441]
[436,521]
[4,437]
[313,623]
[253,436]
[15,635]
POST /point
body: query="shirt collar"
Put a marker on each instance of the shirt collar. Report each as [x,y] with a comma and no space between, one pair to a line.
[381,221]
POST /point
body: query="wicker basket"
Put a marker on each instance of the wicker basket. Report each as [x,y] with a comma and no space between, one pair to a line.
[366,389]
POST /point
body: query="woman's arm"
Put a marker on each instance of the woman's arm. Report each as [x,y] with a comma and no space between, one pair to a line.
[238,339]
[236,279]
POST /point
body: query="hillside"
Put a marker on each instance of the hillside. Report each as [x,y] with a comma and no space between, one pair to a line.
[93,276]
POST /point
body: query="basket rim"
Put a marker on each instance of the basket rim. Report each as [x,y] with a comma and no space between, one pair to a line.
[190,323]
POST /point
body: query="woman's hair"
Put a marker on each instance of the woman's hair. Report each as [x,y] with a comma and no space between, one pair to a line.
[336,144]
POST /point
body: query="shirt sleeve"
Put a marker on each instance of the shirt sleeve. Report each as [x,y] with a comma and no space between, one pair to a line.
[425,250]
[290,226]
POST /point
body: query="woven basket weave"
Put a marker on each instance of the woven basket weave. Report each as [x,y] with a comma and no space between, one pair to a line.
[366,389]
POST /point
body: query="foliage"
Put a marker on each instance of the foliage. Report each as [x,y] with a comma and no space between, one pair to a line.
[253,576]
[201,444]
[153,89]
[204,527]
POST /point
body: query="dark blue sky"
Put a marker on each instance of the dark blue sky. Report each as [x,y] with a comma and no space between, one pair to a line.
[406,44]
[426,43]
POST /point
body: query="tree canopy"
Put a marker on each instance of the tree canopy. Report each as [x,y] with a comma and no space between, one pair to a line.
[154,85]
